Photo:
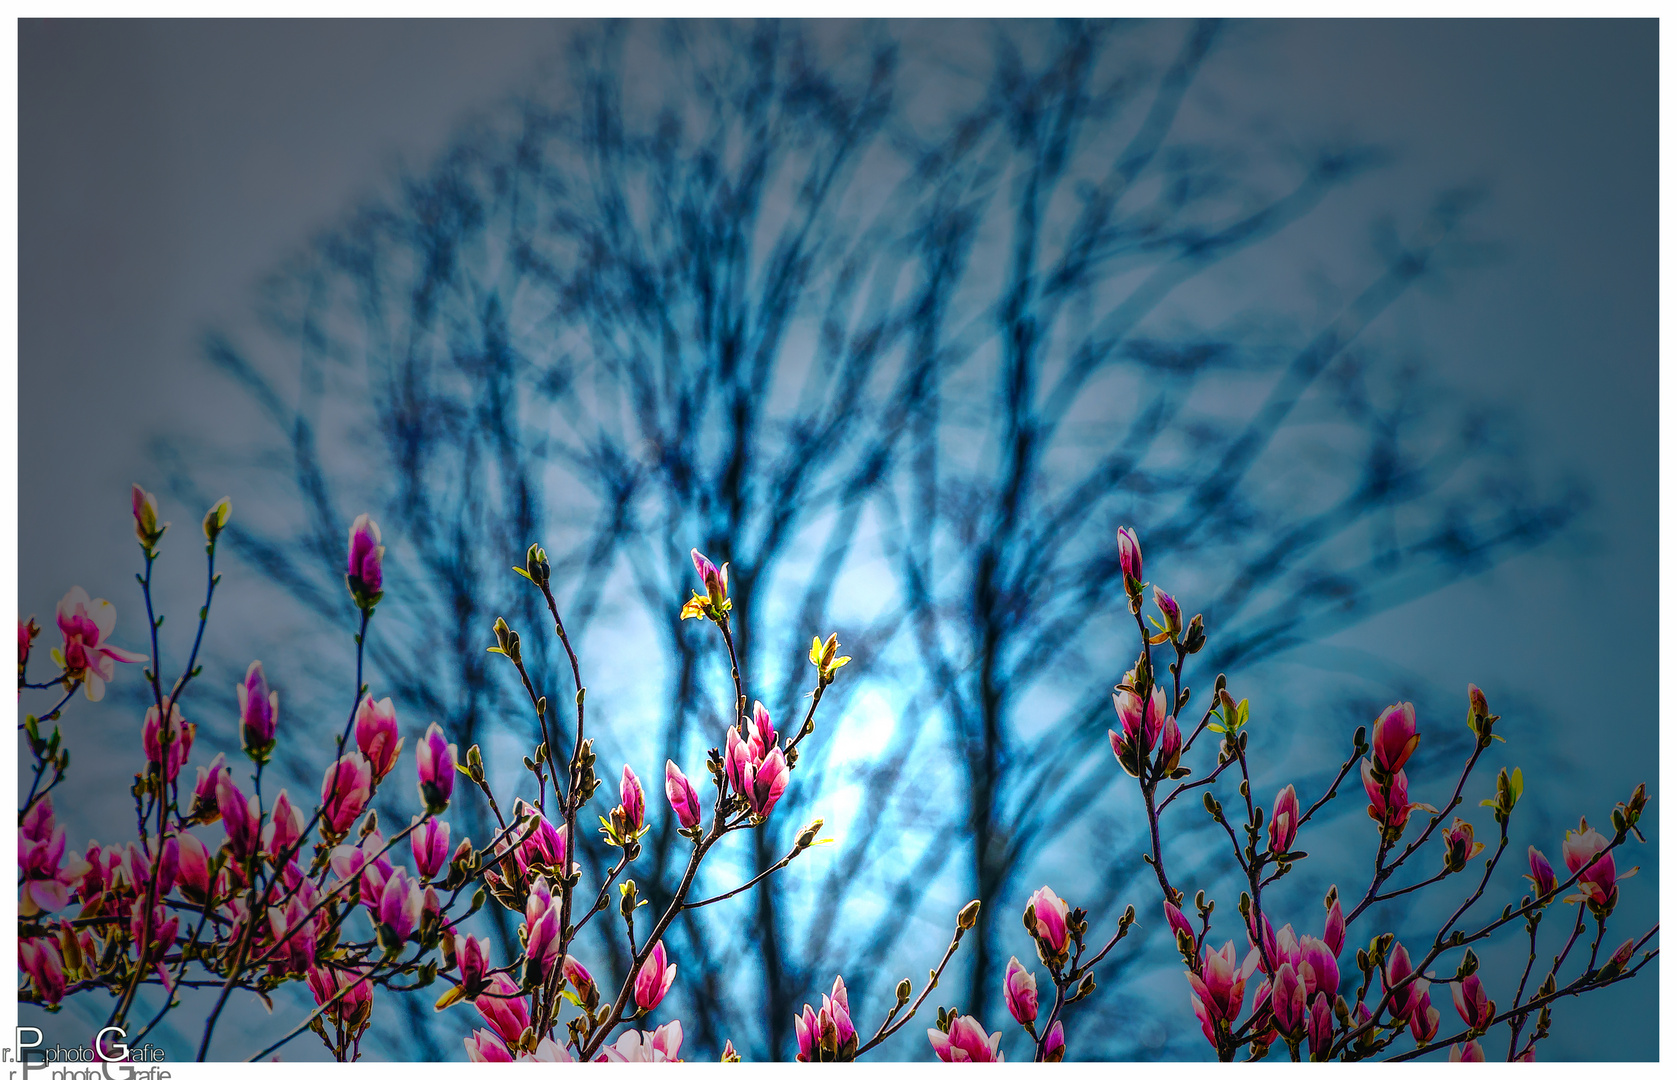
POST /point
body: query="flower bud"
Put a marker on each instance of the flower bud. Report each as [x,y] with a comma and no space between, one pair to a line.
[146,528]
[258,713]
[435,760]
[365,575]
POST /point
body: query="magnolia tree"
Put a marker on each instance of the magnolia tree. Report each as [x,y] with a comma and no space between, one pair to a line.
[223,889]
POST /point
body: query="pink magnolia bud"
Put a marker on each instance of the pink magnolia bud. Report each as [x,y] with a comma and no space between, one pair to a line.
[683,799]
[400,904]
[1423,1018]
[284,827]
[1395,737]
[1220,987]
[1333,933]
[204,807]
[1598,886]
[1388,800]
[541,927]
[653,980]
[1019,986]
[966,1040]
[1405,998]
[716,581]
[827,1035]
[27,632]
[194,869]
[1169,611]
[377,735]
[762,731]
[366,563]
[632,801]
[1045,918]
[1467,1051]
[1542,876]
[430,846]
[1054,1045]
[42,961]
[436,758]
[1321,1028]
[344,792]
[1129,554]
[1287,1002]
[1284,821]
[473,956]
[544,850]
[1458,845]
[238,817]
[1179,923]
[146,528]
[504,1010]
[1620,958]
[178,733]
[1474,1007]
[1170,746]
[258,713]
[577,975]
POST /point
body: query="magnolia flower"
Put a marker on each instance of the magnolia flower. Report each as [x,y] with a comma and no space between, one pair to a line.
[1284,821]
[1598,884]
[349,862]
[1170,746]
[430,846]
[377,736]
[827,1035]
[1045,918]
[582,982]
[653,979]
[663,1044]
[435,758]
[355,1007]
[1019,986]
[1317,966]
[683,799]
[484,1045]
[1395,737]
[760,780]
[258,713]
[549,1051]
[400,903]
[366,563]
[1179,923]
[966,1040]
[503,1009]
[1220,987]
[87,656]
[1467,1051]
[27,632]
[344,792]
[1169,611]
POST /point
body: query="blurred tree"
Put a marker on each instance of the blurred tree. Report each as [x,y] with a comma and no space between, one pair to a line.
[902,321]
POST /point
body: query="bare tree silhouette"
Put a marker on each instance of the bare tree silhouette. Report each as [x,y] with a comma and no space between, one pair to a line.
[901,322]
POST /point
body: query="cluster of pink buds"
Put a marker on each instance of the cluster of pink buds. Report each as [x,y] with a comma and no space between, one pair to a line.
[827,1034]
[756,766]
